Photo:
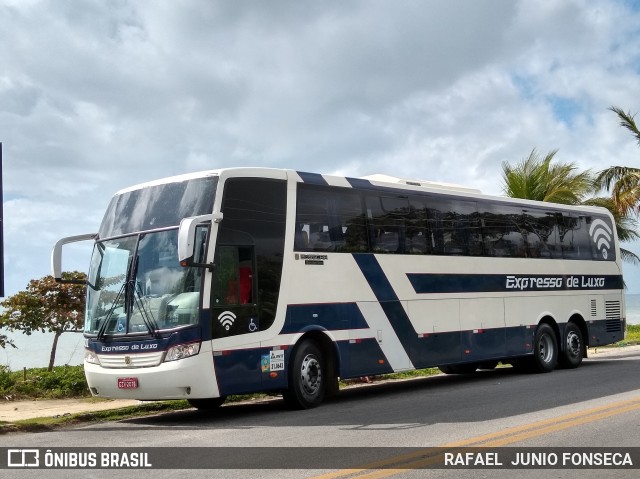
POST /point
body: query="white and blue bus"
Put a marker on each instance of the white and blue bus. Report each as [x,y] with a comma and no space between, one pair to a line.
[250,279]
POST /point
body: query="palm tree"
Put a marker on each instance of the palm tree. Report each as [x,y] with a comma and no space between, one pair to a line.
[535,178]
[623,181]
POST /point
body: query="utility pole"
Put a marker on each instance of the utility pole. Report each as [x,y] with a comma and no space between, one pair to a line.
[1,230]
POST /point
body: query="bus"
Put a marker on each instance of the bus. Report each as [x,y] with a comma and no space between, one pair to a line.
[241,280]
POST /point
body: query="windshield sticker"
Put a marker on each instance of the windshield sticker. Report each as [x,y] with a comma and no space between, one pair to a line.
[226,319]
[264,363]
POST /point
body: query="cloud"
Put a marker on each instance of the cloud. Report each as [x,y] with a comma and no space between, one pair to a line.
[98,96]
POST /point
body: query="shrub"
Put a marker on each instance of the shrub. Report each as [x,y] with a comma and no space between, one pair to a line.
[61,382]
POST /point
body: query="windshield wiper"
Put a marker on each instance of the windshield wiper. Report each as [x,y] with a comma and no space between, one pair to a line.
[107,318]
[147,316]
[135,297]
[124,290]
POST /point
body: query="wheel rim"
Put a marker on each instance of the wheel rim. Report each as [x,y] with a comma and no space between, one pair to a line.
[546,348]
[573,344]
[310,374]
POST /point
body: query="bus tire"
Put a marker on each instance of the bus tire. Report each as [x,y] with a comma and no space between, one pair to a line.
[545,350]
[573,352]
[207,404]
[307,381]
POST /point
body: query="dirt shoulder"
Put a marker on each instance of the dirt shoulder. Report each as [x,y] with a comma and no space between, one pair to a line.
[12,411]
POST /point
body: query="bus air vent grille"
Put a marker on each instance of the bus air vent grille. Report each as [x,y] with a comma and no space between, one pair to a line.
[612,309]
[613,325]
[594,308]
[613,316]
[138,360]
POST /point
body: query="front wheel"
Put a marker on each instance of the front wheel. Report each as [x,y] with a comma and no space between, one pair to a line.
[573,352]
[307,377]
[545,350]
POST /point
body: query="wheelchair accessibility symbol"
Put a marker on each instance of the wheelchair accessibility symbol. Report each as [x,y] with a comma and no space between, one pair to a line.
[253,327]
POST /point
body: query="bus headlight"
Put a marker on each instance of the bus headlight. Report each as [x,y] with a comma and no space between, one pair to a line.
[91,357]
[182,351]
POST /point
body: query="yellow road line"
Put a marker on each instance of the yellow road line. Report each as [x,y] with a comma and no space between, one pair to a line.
[416,460]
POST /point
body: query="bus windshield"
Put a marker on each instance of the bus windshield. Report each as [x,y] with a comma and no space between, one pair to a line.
[137,286]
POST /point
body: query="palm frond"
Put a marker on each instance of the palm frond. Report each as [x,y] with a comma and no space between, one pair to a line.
[629,257]
[612,175]
[627,120]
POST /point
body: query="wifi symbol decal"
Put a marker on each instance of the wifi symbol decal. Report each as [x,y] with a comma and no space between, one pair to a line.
[227,319]
[601,235]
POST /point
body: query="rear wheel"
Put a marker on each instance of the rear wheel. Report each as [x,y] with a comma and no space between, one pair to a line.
[573,352]
[545,350]
[307,381]
[207,404]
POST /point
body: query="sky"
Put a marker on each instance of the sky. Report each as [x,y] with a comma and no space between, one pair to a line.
[99,95]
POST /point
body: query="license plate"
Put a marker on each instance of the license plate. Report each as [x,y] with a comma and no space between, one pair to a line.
[127,383]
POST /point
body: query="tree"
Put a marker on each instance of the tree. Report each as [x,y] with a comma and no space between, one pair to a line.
[5,341]
[623,181]
[46,306]
[536,178]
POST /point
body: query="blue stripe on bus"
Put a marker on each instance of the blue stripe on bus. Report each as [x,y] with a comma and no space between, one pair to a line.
[440,348]
[388,299]
[240,371]
[114,345]
[323,316]
[484,283]
[360,183]
[363,357]
[312,178]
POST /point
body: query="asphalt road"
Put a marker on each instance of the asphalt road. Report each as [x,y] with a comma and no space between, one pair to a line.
[596,405]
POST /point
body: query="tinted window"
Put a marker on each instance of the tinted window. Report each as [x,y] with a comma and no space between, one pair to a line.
[455,227]
[387,218]
[387,222]
[158,206]
[254,213]
[330,220]
[503,231]
[574,237]
[541,230]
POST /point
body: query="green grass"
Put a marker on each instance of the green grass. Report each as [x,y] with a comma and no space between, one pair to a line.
[633,336]
[38,383]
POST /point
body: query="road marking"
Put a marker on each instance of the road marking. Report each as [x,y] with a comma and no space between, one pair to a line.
[427,456]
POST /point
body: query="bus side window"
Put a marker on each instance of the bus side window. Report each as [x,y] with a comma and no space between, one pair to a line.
[233,277]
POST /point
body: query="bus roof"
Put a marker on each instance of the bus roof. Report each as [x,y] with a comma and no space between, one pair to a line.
[378,179]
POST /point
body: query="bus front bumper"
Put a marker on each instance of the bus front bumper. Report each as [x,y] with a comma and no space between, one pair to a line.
[188,378]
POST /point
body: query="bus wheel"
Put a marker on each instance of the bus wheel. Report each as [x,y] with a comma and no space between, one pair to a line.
[572,355]
[545,350]
[306,380]
[467,368]
[207,404]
